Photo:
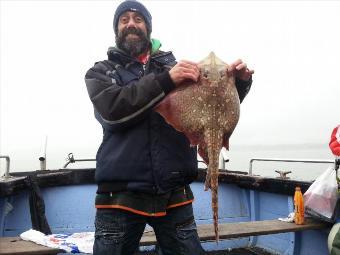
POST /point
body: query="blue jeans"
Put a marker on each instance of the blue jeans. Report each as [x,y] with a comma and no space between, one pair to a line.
[118,232]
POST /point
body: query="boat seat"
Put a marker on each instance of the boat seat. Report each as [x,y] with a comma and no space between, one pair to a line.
[245,229]
[14,245]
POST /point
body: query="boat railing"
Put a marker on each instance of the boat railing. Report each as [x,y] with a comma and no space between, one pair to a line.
[70,159]
[223,159]
[8,161]
[286,160]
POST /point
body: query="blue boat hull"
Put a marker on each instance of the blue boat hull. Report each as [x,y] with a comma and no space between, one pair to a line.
[70,209]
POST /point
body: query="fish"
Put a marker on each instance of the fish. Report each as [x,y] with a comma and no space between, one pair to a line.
[207,112]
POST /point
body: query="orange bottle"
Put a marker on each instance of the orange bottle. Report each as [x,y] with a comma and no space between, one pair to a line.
[299,208]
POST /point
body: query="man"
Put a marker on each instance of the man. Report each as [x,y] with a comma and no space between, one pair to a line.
[144,166]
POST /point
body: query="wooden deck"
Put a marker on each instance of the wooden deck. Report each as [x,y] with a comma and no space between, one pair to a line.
[244,229]
[14,245]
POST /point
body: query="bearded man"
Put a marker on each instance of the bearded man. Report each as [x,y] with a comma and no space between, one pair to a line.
[144,166]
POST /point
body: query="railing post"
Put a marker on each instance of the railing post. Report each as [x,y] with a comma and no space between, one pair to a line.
[8,161]
[251,166]
[42,155]
[223,158]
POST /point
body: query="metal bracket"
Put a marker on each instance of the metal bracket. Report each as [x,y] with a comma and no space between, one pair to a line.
[283,174]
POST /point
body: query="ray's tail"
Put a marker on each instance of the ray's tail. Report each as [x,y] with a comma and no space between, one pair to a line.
[213,139]
[214,203]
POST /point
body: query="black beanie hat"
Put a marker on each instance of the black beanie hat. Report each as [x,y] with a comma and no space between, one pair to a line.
[132,5]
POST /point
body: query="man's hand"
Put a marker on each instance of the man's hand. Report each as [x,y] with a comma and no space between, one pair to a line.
[184,70]
[240,70]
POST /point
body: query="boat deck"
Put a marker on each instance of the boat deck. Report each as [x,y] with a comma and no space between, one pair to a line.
[14,245]
[238,251]
[17,246]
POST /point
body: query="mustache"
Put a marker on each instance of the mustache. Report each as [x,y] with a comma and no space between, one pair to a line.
[133,30]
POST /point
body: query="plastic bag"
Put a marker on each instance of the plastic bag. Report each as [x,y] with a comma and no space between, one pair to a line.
[321,197]
[71,243]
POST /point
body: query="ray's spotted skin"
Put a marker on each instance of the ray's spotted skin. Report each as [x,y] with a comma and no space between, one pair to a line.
[207,113]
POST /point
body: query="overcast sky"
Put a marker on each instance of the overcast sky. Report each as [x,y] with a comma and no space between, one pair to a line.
[47,47]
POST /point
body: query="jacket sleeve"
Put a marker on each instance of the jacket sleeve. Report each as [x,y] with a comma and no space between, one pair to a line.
[243,87]
[121,106]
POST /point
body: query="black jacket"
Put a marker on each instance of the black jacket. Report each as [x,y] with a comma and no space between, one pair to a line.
[139,151]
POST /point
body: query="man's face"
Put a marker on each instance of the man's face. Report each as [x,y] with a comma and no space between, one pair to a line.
[132,34]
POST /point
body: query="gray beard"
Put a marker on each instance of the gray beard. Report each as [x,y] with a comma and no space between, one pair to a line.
[134,47]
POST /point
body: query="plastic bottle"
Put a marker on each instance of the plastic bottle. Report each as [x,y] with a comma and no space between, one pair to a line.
[299,208]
